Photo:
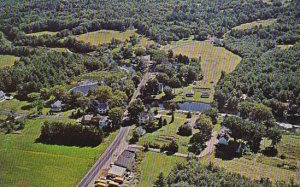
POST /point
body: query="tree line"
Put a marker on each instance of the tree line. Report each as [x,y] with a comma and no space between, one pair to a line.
[179,19]
[70,134]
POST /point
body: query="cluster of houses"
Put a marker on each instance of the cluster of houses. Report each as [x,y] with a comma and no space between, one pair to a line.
[101,109]
[120,170]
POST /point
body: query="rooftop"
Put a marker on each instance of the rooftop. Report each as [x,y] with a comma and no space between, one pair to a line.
[126,160]
[117,171]
[85,87]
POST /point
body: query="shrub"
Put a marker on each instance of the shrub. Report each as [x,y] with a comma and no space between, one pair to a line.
[185,130]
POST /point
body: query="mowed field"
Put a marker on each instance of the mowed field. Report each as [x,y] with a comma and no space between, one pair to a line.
[153,164]
[7,60]
[42,33]
[214,59]
[26,163]
[104,36]
[253,24]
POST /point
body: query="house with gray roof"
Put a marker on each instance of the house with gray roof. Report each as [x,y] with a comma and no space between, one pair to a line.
[56,106]
[126,160]
[2,95]
[85,87]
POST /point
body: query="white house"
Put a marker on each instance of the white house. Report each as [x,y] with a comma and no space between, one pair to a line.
[104,121]
[2,95]
[56,107]
[143,117]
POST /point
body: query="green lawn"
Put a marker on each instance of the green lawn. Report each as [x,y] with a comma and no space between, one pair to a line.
[253,24]
[167,133]
[214,60]
[26,163]
[16,105]
[7,60]
[42,33]
[153,164]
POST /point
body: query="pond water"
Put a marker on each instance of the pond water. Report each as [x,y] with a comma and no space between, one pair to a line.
[192,106]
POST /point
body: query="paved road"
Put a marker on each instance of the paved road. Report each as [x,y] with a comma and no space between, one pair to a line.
[114,148]
[105,158]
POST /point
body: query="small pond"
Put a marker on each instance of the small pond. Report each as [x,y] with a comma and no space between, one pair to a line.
[192,106]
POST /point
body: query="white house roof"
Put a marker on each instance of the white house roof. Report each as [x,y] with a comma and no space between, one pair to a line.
[57,104]
[2,93]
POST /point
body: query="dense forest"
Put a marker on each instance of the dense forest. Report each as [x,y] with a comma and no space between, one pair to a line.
[267,73]
[159,20]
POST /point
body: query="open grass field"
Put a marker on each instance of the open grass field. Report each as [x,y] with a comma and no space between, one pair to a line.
[168,133]
[42,33]
[104,36]
[16,105]
[26,163]
[7,60]
[253,24]
[153,164]
[257,165]
[214,60]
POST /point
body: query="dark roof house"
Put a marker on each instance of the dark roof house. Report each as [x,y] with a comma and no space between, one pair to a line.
[126,160]
[99,107]
[85,87]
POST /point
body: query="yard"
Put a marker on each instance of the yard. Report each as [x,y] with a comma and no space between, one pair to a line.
[168,133]
[214,60]
[26,163]
[16,105]
[153,164]
[7,60]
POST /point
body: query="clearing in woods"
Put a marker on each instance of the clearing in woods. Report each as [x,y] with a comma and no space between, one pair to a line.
[42,33]
[214,60]
[7,60]
[253,24]
[104,36]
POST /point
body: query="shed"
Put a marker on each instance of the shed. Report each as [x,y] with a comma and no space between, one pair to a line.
[116,171]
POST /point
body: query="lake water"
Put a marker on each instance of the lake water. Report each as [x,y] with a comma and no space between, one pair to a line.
[192,106]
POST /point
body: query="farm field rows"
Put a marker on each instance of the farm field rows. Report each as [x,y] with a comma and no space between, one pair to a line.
[7,60]
[214,60]
[26,163]
[257,165]
[168,133]
[153,164]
